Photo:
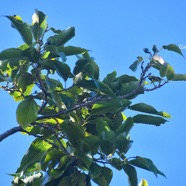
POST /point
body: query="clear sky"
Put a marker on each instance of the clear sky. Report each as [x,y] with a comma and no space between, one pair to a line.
[116,32]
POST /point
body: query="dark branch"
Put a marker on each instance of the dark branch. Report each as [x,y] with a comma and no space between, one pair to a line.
[10,132]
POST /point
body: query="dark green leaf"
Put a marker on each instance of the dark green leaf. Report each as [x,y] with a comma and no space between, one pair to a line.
[23,29]
[143,107]
[125,127]
[179,77]
[11,54]
[174,48]
[110,77]
[80,64]
[26,112]
[71,50]
[95,170]
[132,174]
[146,164]
[147,119]
[53,51]
[92,70]
[62,37]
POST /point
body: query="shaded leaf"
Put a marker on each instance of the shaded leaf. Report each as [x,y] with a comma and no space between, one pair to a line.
[71,50]
[146,164]
[143,107]
[26,112]
[179,77]
[174,48]
[134,66]
[132,174]
[10,54]
[147,119]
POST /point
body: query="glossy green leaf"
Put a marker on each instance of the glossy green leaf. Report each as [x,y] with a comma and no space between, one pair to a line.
[174,48]
[147,119]
[71,50]
[35,153]
[11,54]
[53,51]
[143,107]
[23,29]
[110,106]
[39,24]
[26,112]
[125,127]
[62,37]
[132,174]
[143,182]
[146,164]
[134,66]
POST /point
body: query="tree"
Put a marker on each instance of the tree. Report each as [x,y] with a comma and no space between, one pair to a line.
[80,130]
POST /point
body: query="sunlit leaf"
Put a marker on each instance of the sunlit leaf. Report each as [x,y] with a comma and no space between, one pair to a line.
[143,182]
[36,151]
[39,24]
[71,50]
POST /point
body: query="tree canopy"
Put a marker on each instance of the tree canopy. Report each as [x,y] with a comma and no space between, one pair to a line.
[77,119]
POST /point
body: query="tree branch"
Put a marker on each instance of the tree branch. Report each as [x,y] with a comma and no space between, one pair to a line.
[10,132]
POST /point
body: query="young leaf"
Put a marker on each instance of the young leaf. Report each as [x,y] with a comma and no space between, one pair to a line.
[143,182]
[174,48]
[132,174]
[23,29]
[147,119]
[39,24]
[26,112]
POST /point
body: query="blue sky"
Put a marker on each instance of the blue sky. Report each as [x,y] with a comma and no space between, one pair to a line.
[115,32]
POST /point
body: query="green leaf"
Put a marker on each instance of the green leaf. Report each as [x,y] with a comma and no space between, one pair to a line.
[164,70]
[62,69]
[11,54]
[62,37]
[23,29]
[125,127]
[170,73]
[179,77]
[110,77]
[143,107]
[174,48]
[57,99]
[35,153]
[146,164]
[80,65]
[53,51]
[71,50]
[39,24]
[143,182]
[26,112]
[92,70]
[116,163]
[147,119]
[95,170]
[110,106]
[132,174]
[134,66]
[123,144]
[104,178]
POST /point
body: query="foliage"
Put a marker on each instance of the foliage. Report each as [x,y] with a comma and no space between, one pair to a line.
[79,129]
